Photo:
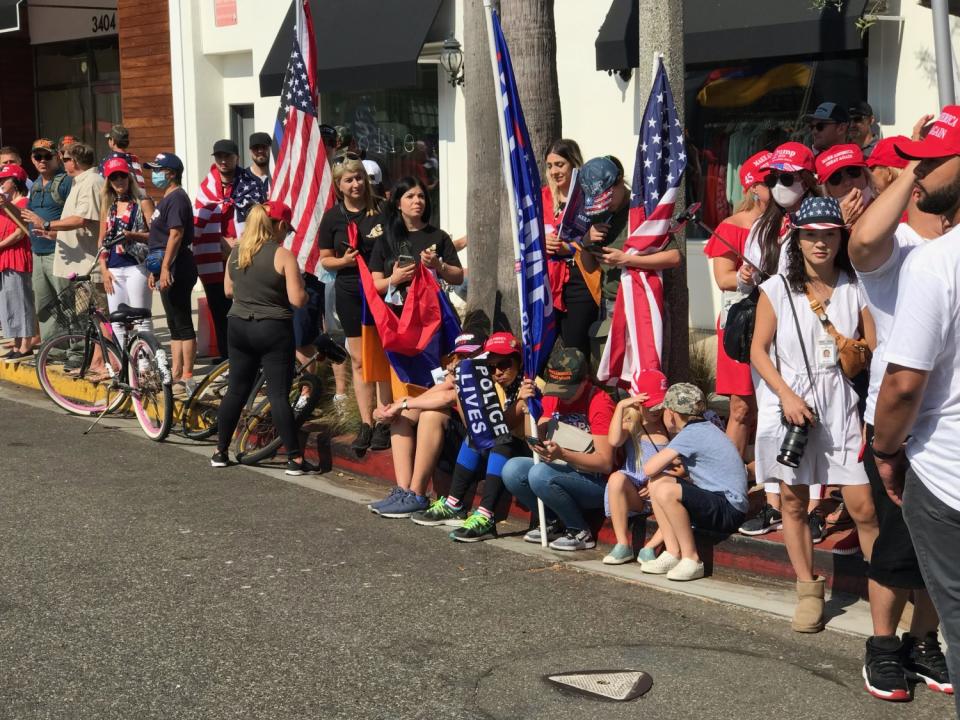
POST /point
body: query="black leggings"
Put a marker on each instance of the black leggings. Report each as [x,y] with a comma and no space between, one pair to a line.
[255,344]
[176,299]
[472,464]
[219,305]
[575,325]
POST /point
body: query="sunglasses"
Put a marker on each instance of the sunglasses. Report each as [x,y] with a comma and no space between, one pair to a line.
[819,126]
[42,157]
[501,364]
[346,156]
[785,179]
[67,158]
[118,176]
[851,172]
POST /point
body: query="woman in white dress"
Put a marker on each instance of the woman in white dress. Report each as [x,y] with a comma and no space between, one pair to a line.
[804,385]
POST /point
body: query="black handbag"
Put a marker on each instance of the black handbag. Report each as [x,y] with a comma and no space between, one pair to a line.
[738,332]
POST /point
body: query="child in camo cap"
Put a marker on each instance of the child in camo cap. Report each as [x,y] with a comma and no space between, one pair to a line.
[712,497]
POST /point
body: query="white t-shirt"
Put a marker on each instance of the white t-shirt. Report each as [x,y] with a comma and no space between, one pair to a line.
[926,331]
[880,288]
[754,254]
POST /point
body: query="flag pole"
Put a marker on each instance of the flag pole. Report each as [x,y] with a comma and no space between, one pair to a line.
[514,230]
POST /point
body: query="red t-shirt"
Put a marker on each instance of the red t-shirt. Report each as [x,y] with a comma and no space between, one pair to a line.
[17,256]
[592,413]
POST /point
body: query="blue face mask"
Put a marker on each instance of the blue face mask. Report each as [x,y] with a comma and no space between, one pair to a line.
[159,179]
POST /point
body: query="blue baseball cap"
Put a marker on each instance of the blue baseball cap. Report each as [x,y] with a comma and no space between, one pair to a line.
[167,161]
[829,112]
[597,178]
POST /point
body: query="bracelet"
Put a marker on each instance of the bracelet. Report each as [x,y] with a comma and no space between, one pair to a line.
[885,455]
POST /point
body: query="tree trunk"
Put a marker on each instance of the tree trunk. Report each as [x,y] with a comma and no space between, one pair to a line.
[662,31]
[529,28]
[483,168]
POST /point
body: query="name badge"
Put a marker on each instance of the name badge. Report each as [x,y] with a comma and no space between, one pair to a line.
[439,375]
[826,353]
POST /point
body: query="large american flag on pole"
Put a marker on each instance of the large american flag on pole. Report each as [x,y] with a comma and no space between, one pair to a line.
[537,319]
[302,178]
[635,342]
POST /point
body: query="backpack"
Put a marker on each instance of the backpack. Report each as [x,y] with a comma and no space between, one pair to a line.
[738,332]
[54,188]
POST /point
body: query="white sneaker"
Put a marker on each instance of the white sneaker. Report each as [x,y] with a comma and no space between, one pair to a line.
[553,532]
[664,563]
[686,569]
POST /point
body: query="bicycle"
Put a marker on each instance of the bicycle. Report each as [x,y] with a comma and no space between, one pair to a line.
[87,372]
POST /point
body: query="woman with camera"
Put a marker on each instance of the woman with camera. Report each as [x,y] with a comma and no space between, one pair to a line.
[813,334]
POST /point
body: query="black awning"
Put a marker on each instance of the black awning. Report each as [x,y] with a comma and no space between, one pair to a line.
[718,31]
[9,15]
[361,44]
[618,43]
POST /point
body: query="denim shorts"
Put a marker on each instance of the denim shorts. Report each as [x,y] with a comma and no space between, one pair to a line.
[710,510]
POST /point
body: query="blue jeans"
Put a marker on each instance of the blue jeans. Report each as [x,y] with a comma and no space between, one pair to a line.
[565,491]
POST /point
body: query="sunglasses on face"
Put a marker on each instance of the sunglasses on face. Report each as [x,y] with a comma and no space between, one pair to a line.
[819,126]
[851,172]
[42,157]
[346,156]
[67,158]
[117,177]
[785,179]
[501,364]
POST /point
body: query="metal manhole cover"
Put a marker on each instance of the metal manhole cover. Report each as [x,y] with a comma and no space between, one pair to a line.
[619,685]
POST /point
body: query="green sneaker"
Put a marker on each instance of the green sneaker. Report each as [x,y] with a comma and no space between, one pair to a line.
[439,513]
[475,528]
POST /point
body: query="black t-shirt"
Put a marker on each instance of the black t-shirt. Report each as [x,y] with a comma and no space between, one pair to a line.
[173,211]
[333,236]
[383,259]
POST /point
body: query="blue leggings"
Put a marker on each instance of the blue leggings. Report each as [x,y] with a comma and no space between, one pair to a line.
[473,464]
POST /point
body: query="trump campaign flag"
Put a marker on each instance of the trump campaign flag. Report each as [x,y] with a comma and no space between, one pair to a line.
[537,319]
[302,179]
[635,341]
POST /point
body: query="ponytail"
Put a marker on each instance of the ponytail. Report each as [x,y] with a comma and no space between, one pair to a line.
[257,231]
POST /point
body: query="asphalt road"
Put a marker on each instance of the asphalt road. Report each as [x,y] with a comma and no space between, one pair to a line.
[137,582]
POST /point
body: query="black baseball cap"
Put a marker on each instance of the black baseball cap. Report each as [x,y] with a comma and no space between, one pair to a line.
[166,160]
[260,138]
[861,109]
[830,112]
[225,146]
[328,133]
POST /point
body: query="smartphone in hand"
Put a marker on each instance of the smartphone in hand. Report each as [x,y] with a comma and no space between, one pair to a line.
[405,260]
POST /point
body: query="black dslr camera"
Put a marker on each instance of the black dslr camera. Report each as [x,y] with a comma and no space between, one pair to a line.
[795,442]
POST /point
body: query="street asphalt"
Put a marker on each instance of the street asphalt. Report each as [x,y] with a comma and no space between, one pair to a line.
[138,582]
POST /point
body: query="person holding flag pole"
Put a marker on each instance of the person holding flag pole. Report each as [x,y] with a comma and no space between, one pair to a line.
[522,178]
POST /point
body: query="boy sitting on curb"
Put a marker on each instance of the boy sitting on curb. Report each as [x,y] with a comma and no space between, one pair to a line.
[713,498]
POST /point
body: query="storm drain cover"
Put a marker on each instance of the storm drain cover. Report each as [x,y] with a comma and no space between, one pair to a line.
[620,685]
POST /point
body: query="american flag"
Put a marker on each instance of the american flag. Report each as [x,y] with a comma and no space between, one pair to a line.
[537,321]
[302,178]
[635,342]
[220,212]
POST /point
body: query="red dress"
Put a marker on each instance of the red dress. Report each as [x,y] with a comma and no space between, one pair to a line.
[16,257]
[733,378]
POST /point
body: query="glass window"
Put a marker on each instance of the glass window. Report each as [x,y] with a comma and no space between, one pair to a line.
[399,129]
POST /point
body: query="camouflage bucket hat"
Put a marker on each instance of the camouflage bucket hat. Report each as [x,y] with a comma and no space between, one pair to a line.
[685,399]
[566,369]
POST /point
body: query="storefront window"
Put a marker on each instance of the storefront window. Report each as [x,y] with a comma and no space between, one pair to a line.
[734,112]
[397,128]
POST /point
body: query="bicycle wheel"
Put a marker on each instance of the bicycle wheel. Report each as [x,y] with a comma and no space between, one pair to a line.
[65,374]
[257,438]
[200,412]
[152,391]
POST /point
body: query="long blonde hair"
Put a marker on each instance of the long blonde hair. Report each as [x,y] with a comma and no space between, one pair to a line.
[257,232]
[355,166]
[108,197]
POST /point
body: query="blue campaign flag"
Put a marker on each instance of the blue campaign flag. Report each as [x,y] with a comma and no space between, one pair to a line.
[537,320]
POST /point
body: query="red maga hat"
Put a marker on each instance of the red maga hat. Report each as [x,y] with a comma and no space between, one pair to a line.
[837,157]
[885,153]
[278,211]
[502,343]
[943,140]
[115,165]
[13,171]
[791,157]
[653,384]
[755,169]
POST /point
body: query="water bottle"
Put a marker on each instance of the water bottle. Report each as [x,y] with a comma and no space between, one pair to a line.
[164,367]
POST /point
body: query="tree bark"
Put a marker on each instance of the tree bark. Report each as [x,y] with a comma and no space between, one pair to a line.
[662,31]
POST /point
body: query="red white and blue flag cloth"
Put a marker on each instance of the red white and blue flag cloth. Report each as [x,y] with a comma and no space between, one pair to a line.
[132,160]
[635,341]
[220,212]
[302,179]
[537,318]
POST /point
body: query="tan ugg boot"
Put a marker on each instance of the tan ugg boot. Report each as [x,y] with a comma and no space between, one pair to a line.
[808,617]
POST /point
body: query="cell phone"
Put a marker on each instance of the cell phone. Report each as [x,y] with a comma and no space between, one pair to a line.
[594,249]
[535,442]
[404,260]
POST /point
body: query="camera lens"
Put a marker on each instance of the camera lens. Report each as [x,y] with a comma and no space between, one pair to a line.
[794,443]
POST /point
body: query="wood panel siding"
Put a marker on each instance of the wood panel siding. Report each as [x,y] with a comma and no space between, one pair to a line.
[145,85]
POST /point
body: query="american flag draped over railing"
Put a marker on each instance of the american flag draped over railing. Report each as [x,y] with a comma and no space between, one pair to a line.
[538,323]
[635,342]
[302,178]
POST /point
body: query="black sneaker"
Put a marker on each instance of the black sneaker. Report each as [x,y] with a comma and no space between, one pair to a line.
[883,671]
[768,520]
[220,459]
[300,468]
[925,661]
[817,526]
[380,440]
[361,443]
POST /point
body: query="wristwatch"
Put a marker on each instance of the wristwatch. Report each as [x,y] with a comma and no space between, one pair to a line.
[405,403]
[880,454]
[46,225]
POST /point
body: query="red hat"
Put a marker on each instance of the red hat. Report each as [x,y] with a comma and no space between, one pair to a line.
[791,157]
[754,170]
[943,139]
[885,154]
[502,343]
[278,211]
[115,165]
[839,156]
[653,384]
[13,171]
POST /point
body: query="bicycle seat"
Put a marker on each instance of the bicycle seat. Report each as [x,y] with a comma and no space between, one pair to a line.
[126,314]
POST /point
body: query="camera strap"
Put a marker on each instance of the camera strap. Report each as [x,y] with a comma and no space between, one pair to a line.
[803,348]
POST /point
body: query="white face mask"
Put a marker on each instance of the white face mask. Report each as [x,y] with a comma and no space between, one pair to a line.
[787,197]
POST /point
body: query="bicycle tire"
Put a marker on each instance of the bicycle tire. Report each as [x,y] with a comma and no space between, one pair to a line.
[152,389]
[74,393]
[199,419]
[256,438]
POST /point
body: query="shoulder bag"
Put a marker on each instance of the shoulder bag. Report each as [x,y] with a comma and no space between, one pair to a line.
[853,355]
